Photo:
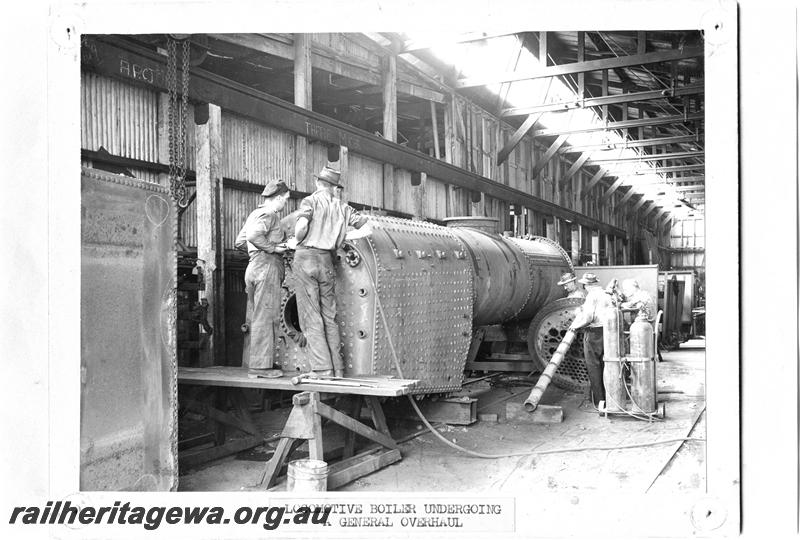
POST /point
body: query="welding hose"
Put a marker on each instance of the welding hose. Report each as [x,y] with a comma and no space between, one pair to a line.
[451,444]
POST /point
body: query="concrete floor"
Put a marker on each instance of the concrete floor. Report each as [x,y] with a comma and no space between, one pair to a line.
[429,465]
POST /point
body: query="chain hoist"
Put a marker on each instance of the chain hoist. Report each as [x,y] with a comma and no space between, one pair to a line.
[177,113]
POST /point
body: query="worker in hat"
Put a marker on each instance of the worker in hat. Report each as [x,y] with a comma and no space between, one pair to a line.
[590,318]
[262,237]
[323,218]
[636,298]
[571,285]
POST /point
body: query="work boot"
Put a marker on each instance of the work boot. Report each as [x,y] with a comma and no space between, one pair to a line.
[255,373]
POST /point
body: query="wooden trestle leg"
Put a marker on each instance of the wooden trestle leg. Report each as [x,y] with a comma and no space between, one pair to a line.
[305,424]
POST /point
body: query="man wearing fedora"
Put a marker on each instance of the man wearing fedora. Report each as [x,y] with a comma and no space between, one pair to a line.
[590,317]
[320,230]
[571,285]
[261,236]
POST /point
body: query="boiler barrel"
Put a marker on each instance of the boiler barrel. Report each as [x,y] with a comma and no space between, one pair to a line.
[513,278]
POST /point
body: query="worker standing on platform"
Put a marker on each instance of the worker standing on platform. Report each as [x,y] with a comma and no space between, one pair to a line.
[261,236]
[571,285]
[322,222]
[590,317]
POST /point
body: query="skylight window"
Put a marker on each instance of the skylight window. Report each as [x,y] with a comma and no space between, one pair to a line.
[503,54]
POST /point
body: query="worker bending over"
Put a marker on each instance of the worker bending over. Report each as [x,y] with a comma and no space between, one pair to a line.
[571,285]
[261,236]
[637,298]
[322,222]
[590,317]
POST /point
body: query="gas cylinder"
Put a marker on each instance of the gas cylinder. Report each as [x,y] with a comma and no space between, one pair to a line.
[642,362]
[612,360]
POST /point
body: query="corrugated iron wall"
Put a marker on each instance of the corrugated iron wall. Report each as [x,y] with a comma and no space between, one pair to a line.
[254,152]
[124,120]
[121,118]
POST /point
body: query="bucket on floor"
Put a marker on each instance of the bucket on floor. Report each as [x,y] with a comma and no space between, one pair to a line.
[307,475]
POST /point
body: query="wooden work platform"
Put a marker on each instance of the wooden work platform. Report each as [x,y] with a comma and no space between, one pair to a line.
[236,377]
[221,399]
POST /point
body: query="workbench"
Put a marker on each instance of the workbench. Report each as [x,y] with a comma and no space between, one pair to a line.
[305,420]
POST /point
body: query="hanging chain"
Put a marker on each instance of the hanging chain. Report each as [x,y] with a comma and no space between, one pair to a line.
[177,114]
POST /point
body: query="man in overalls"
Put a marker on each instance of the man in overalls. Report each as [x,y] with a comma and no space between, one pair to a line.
[262,236]
[321,225]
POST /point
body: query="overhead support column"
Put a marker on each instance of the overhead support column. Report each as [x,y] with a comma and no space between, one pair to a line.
[302,98]
[581,58]
[575,243]
[389,73]
[595,246]
[210,249]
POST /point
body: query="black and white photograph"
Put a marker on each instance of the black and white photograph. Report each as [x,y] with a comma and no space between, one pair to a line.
[395,270]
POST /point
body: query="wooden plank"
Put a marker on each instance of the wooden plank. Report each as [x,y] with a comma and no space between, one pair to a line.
[303,99]
[220,416]
[581,38]
[350,436]
[376,412]
[624,199]
[518,135]
[604,101]
[390,98]
[208,87]
[658,141]
[209,204]
[610,191]
[641,122]
[460,411]
[552,151]
[582,67]
[354,425]
[637,206]
[435,126]
[647,157]
[236,377]
[348,470]
[580,162]
[593,182]
[192,458]
[315,448]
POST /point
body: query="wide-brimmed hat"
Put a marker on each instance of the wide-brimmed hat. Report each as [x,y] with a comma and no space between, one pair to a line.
[274,187]
[588,279]
[330,176]
[566,278]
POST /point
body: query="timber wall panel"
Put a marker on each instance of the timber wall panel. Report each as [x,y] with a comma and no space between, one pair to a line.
[435,199]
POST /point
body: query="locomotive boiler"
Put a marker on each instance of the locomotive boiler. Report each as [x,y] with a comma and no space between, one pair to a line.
[436,286]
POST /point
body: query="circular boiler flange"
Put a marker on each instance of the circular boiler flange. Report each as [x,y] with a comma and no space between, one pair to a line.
[545,333]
